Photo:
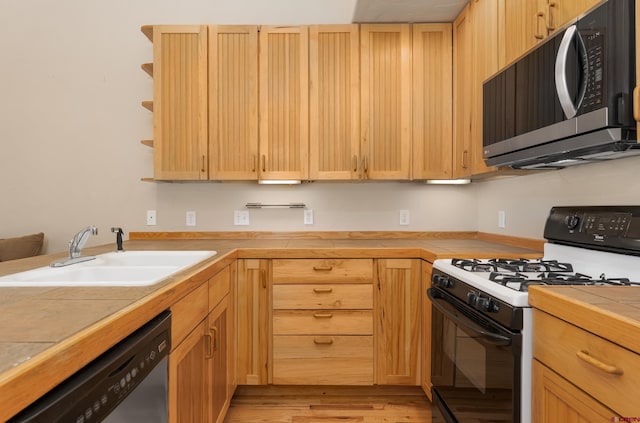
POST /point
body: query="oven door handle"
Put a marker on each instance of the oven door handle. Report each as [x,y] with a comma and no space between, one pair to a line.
[446,308]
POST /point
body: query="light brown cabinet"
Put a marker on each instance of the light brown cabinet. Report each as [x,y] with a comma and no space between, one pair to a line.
[577,373]
[284,103]
[334,102]
[462,94]
[385,64]
[425,349]
[253,327]
[397,321]
[201,363]
[432,94]
[322,319]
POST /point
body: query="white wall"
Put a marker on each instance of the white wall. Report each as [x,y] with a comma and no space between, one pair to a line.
[71,125]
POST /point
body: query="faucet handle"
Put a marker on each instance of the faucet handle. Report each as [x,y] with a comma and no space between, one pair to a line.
[116,229]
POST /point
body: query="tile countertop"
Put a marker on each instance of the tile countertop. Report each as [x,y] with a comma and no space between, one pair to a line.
[611,312]
[48,333]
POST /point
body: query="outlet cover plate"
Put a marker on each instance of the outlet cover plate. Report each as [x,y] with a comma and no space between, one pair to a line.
[308,217]
[241,217]
[191,218]
[151,218]
[404,217]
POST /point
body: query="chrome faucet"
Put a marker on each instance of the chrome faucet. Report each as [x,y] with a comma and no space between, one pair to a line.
[75,247]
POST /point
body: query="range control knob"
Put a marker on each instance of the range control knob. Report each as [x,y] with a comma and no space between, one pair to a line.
[483,304]
[442,281]
[572,221]
[472,299]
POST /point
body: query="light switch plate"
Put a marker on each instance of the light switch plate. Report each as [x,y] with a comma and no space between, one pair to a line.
[404,217]
[502,219]
[151,217]
[308,217]
[241,217]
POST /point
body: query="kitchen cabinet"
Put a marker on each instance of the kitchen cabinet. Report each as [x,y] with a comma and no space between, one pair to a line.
[334,102]
[180,102]
[233,102]
[577,373]
[201,364]
[253,327]
[462,94]
[284,102]
[322,319]
[397,299]
[432,93]
[385,64]
[425,349]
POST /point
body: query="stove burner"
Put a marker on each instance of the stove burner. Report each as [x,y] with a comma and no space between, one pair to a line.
[505,278]
[511,265]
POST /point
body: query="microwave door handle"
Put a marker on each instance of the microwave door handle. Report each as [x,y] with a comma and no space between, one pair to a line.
[582,52]
[447,309]
[562,86]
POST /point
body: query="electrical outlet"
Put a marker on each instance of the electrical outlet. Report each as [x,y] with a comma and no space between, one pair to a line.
[151,218]
[404,217]
[308,217]
[191,218]
[502,219]
[241,217]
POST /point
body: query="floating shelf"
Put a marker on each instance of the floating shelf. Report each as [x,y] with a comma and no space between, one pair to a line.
[148,68]
[148,31]
[148,143]
[148,105]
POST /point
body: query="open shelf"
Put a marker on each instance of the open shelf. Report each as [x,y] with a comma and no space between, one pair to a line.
[148,105]
[148,143]
[148,31]
[148,68]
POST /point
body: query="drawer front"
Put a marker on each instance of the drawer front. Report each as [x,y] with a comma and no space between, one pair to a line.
[187,313]
[323,360]
[322,271]
[601,368]
[322,322]
[342,296]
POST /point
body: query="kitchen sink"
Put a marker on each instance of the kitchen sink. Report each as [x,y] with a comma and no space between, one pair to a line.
[130,268]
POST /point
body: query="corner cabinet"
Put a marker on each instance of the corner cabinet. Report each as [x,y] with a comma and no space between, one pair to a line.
[397,325]
[385,64]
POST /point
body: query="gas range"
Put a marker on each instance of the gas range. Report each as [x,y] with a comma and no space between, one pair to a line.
[482,321]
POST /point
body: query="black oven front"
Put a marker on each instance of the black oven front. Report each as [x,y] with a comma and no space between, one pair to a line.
[476,363]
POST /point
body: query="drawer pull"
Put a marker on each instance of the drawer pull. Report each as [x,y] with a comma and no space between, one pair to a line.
[323,341]
[323,268]
[608,368]
[322,290]
[322,315]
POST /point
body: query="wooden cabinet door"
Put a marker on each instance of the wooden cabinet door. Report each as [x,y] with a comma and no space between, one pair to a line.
[555,399]
[462,98]
[253,331]
[284,103]
[233,102]
[180,102]
[385,67]
[188,378]
[432,95]
[397,322]
[484,58]
[334,102]
[219,394]
[517,28]
[425,352]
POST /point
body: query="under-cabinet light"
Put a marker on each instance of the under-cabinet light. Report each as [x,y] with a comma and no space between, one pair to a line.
[279,182]
[448,181]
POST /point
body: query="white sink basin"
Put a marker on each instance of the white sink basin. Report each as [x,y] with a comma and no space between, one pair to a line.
[130,268]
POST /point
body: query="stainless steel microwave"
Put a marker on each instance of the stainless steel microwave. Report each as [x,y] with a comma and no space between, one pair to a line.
[570,99]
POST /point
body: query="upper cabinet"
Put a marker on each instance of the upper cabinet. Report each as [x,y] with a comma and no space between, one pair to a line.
[432,96]
[386,100]
[462,95]
[284,102]
[233,102]
[334,102]
[180,102]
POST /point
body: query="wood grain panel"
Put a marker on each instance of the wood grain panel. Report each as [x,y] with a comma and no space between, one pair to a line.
[325,296]
[180,102]
[322,271]
[386,100]
[397,325]
[333,322]
[284,103]
[219,287]
[233,102]
[334,102]
[461,95]
[323,360]
[432,101]
[425,347]
[187,313]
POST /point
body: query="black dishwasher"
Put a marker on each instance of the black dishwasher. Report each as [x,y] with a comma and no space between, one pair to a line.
[127,383]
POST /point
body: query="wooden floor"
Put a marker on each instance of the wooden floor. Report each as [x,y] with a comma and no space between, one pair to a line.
[315,404]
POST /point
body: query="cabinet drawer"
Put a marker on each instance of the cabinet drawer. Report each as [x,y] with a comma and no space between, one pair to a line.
[323,360]
[322,271]
[187,313]
[342,296]
[601,368]
[322,322]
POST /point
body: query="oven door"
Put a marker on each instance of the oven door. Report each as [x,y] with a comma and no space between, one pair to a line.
[476,364]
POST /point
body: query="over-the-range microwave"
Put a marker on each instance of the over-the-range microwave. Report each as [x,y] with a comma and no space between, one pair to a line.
[570,99]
